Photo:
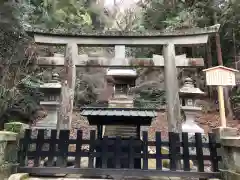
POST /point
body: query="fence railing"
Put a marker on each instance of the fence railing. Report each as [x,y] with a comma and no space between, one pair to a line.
[117,156]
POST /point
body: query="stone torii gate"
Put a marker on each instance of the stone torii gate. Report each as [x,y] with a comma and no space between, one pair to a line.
[118,61]
[167,40]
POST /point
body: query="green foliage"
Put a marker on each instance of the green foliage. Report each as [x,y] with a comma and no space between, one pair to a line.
[57,14]
[235,102]
[202,13]
[16,127]
[149,97]
[19,103]
[229,19]
[16,56]
[85,90]
[159,16]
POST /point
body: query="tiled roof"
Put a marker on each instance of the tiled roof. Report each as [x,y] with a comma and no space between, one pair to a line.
[134,112]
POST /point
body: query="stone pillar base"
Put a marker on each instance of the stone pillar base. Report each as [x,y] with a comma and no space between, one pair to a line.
[228,175]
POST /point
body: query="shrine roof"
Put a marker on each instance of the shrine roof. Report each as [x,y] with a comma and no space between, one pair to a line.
[126,112]
[94,33]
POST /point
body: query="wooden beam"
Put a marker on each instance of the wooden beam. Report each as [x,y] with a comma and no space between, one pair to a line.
[110,41]
[158,61]
[68,87]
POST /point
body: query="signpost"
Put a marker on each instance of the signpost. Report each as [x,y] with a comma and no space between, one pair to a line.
[221,76]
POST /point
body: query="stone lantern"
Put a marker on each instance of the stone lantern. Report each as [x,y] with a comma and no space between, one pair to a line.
[188,96]
[50,103]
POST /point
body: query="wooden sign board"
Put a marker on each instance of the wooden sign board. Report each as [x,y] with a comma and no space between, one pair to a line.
[220,76]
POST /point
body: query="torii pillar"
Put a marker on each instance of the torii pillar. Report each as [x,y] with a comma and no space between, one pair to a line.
[68,87]
[171,88]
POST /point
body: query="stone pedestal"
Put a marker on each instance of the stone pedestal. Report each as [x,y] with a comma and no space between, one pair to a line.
[50,103]
[16,127]
[50,121]
[8,153]
[190,125]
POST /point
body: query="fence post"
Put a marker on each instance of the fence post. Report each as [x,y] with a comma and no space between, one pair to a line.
[230,152]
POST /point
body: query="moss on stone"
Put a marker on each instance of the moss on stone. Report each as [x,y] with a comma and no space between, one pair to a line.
[6,169]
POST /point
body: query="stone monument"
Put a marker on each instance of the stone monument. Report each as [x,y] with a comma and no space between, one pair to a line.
[50,103]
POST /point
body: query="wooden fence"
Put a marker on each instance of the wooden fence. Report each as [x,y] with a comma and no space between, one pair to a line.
[118,157]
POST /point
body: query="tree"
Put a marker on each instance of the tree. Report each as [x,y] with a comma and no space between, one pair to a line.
[123,19]
[57,14]
[199,13]
[16,70]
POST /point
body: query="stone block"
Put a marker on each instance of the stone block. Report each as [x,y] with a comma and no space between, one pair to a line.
[231,141]
[230,150]
[6,139]
[8,136]
[8,153]
[231,158]
[6,170]
[16,127]
[19,176]
[225,132]
[230,175]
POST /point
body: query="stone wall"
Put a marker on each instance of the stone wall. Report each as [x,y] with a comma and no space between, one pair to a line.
[230,152]
[8,148]
[7,154]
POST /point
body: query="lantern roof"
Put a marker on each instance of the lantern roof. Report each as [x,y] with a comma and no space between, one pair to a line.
[188,88]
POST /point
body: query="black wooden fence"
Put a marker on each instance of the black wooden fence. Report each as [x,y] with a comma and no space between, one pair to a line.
[101,151]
